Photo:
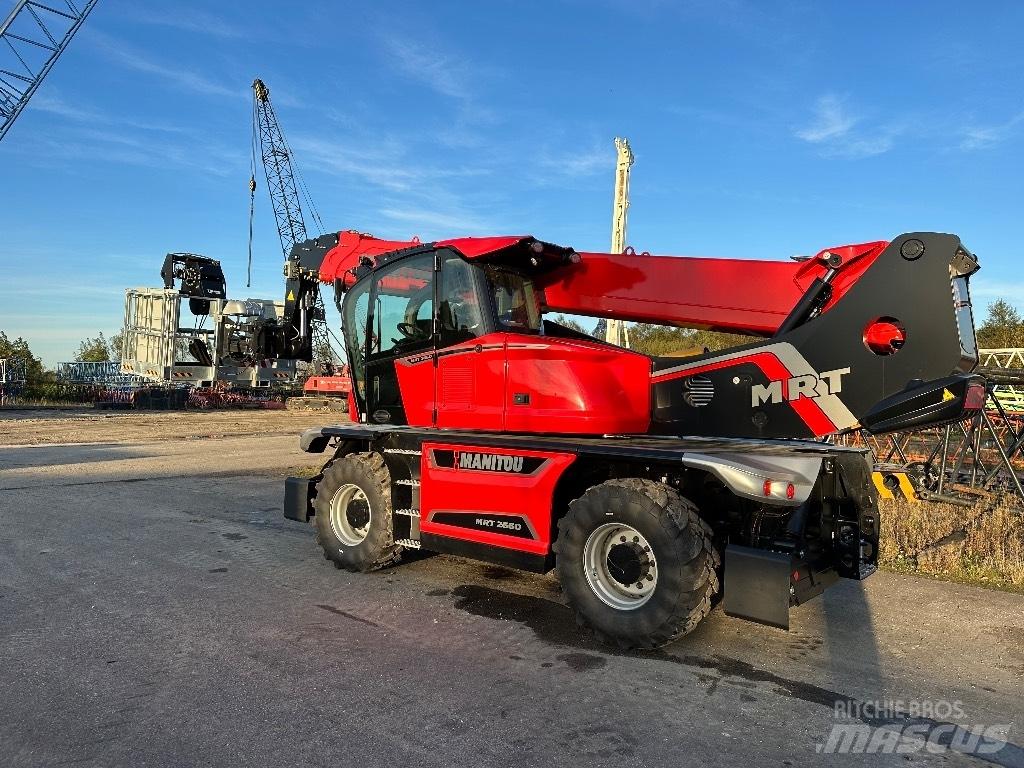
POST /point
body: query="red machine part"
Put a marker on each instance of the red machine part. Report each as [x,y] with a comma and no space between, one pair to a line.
[736,295]
[351,246]
[328,385]
[471,492]
[885,336]
[509,382]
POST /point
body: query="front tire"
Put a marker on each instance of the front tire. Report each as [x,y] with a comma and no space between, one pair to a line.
[353,513]
[636,562]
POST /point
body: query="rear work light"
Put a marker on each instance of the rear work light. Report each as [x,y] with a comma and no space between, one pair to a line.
[974,399]
[790,489]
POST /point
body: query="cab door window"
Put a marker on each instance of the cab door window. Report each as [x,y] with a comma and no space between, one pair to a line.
[403,308]
[459,311]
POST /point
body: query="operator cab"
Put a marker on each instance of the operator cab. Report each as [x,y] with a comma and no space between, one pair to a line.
[389,316]
[438,339]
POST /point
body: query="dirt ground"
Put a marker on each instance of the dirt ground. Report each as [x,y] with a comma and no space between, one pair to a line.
[87,425]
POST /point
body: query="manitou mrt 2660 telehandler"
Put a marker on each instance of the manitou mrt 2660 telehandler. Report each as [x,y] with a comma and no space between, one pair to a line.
[485,431]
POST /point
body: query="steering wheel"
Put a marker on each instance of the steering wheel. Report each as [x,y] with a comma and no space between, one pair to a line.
[412,331]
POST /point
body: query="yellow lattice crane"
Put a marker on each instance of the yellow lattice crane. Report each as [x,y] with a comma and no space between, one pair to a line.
[615,330]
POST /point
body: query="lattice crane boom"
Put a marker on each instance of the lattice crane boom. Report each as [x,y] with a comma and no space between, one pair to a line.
[277,165]
[286,189]
[615,330]
[33,36]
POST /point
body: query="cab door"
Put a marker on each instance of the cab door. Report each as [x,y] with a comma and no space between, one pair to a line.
[399,329]
[471,355]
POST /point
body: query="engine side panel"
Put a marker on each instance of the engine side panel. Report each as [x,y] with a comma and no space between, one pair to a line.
[459,498]
[561,385]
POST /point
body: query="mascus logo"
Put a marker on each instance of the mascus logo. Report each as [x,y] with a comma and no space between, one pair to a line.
[808,385]
[492,462]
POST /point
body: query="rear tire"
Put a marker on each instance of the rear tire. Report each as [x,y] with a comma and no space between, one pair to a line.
[353,513]
[637,563]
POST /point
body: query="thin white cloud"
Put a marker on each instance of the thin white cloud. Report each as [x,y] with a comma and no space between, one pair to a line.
[186,21]
[585,163]
[867,146]
[178,76]
[433,222]
[834,129]
[385,162]
[54,104]
[110,145]
[985,136]
[441,73]
[832,120]
[985,291]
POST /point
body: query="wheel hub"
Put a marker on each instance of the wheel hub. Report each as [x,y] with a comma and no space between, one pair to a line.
[620,566]
[350,514]
[628,563]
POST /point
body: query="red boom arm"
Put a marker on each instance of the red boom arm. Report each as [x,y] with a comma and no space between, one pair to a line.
[736,295]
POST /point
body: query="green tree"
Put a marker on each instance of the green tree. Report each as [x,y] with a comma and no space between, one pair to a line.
[117,345]
[664,340]
[95,350]
[18,349]
[569,322]
[1003,328]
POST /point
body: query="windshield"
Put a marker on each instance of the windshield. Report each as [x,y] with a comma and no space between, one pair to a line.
[515,301]
[354,317]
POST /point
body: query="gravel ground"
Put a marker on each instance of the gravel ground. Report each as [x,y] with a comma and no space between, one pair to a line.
[87,425]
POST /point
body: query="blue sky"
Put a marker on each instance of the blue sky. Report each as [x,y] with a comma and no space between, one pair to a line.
[760,130]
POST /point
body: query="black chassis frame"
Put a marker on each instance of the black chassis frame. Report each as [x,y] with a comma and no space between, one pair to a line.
[831,535]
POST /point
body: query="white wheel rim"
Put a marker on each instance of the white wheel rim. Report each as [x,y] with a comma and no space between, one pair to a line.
[350,515]
[620,566]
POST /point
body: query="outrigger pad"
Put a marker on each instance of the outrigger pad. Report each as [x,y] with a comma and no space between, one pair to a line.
[757,585]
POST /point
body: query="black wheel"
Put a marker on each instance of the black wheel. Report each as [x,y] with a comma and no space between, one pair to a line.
[636,562]
[353,513]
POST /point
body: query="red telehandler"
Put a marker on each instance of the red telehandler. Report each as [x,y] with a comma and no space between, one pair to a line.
[486,431]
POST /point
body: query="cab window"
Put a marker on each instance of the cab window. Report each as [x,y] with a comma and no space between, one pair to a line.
[403,307]
[459,306]
[515,301]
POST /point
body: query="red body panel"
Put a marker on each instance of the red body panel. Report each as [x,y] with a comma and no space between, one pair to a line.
[475,247]
[468,491]
[471,384]
[416,383]
[571,386]
[576,387]
[739,295]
